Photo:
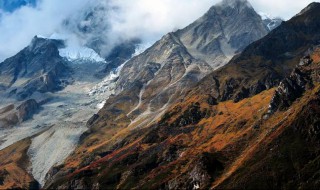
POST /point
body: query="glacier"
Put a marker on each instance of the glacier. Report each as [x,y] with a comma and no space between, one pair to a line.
[78,53]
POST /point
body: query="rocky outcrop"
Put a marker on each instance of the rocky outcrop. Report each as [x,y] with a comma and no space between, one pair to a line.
[92,120]
[189,117]
[11,117]
[205,169]
[291,88]
[27,109]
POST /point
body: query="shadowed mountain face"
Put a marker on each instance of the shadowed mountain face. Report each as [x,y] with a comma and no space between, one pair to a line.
[233,121]
[37,68]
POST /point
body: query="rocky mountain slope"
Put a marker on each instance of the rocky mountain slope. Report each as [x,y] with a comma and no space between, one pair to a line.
[239,118]
[202,145]
[264,63]
[135,95]
[161,75]
[287,157]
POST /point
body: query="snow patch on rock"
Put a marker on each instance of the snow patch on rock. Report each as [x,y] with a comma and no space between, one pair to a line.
[107,87]
[100,105]
[141,48]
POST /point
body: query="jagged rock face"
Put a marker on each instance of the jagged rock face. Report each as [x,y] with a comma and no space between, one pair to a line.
[206,168]
[224,30]
[291,88]
[37,68]
[201,40]
[266,62]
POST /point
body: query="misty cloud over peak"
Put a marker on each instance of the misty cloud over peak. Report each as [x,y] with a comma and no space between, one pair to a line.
[108,22]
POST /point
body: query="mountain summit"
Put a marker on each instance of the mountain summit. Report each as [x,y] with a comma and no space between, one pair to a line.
[234,4]
[159,76]
[223,31]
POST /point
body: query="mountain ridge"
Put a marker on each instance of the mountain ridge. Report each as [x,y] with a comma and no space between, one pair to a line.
[210,138]
[166,122]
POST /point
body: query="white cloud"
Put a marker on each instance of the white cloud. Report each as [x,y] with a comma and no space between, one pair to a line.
[18,28]
[286,9]
[149,19]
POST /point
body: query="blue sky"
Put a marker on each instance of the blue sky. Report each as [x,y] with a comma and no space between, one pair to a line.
[12,5]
